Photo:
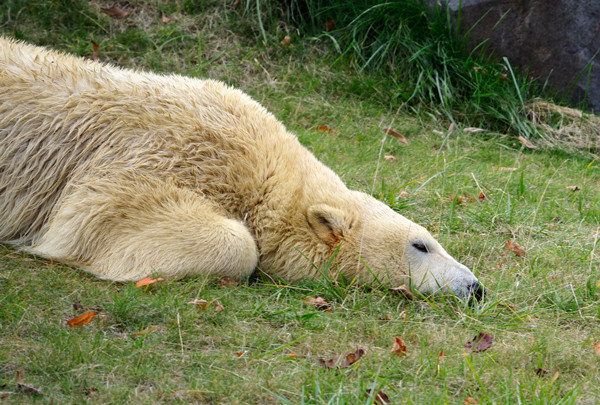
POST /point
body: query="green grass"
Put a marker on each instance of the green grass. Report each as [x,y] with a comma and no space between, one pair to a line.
[543,310]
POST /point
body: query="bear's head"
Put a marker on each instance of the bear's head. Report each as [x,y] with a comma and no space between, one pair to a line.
[373,242]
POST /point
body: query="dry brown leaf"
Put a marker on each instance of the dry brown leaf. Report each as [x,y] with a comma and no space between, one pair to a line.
[404,194]
[480,343]
[239,354]
[379,398]
[396,134]
[218,307]
[116,12]
[202,304]
[473,130]
[526,143]
[403,290]
[28,389]
[165,19]
[96,47]
[292,355]
[470,401]
[82,319]
[342,363]
[390,158]
[148,330]
[460,199]
[573,188]
[482,196]
[148,281]
[320,303]
[227,281]
[77,306]
[324,128]
[555,376]
[398,348]
[329,25]
[516,248]
[442,355]
[597,348]
[286,41]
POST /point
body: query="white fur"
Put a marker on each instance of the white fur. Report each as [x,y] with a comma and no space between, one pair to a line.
[127,173]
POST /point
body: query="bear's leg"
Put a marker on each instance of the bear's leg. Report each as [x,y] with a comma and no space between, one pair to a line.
[124,229]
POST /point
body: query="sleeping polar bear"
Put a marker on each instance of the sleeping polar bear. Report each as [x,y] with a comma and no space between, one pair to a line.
[125,174]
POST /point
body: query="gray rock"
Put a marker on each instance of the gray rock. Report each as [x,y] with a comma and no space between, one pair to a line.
[555,40]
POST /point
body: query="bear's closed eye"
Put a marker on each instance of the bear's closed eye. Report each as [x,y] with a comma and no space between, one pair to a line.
[420,246]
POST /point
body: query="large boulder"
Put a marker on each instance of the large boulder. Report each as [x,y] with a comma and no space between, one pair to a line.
[556,41]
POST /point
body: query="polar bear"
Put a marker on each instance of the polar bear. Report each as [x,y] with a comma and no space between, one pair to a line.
[124,174]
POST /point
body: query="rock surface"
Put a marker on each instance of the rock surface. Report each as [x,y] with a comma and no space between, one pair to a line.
[556,41]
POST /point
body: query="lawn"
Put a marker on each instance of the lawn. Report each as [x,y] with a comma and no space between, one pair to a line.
[260,341]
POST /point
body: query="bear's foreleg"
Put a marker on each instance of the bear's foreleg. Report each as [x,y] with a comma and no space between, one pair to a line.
[120,227]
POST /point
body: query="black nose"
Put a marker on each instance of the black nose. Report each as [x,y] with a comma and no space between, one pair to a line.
[476,292]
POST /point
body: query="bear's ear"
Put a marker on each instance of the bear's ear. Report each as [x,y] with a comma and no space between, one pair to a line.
[327,223]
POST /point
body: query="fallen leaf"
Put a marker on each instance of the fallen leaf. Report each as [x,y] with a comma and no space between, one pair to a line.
[218,307]
[28,389]
[516,248]
[403,290]
[481,196]
[573,188]
[555,376]
[396,134]
[165,19]
[597,348]
[227,281]
[480,343]
[390,158]
[540,372]
[286,41]
[526,143]
[460,199]
[380,398]
[77,306]
[82,319]
[239,354]
[385,318]
[202,304]
[320,303]
[324,128]
[148,281]
[342,363]
[116,12]
[473,130]
[96,47]
[148,330]
[398,348]
[470,401]
[329,25]
[442,355]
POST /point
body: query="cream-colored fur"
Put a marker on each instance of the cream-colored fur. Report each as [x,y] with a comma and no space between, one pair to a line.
[126,173]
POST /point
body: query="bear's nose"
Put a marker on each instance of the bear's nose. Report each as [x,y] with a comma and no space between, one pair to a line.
[476,292]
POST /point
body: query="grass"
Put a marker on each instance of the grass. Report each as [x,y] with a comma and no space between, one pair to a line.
[542,309]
